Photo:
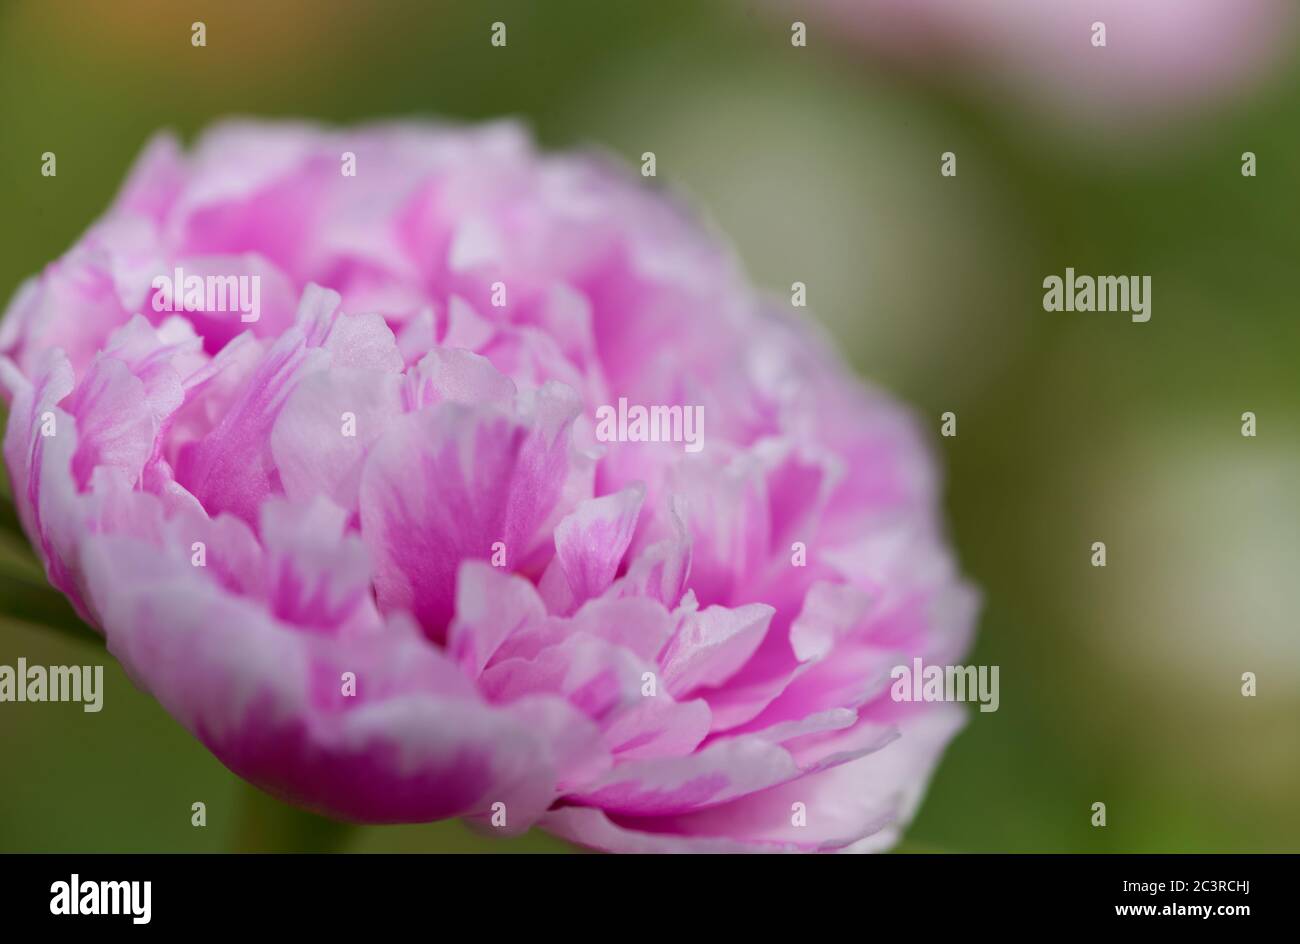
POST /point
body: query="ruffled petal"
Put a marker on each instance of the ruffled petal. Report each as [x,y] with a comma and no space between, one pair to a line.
[452,483]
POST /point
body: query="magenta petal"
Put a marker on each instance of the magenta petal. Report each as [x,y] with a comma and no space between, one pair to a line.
[658,727]
[320,439]
[590,542]
[603,680]
[851,807]
[39,446]
[719,772]
[115,426]
[460,377]
[232,469]
[592,827]
[490,607]
[661,570]
[637,624]
[160,357]
[413,743]
[711,645]
[319,573]
[452,483]
[830,612]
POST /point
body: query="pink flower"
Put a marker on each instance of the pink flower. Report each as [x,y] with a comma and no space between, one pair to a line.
[372,551]
[1157,54]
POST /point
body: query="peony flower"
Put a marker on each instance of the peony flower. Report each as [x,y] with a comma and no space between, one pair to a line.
[1158,54]
[369,548]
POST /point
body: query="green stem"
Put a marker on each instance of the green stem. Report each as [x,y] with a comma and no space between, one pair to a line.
[264,824]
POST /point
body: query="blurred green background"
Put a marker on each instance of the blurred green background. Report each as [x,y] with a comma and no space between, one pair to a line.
[1119,685]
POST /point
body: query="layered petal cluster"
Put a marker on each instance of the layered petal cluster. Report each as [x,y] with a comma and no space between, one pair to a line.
[372,549]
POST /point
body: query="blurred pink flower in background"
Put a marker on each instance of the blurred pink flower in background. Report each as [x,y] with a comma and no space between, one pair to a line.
[371,551]
[1159,54]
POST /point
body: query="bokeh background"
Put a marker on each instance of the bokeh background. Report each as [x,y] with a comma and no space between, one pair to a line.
[821,164]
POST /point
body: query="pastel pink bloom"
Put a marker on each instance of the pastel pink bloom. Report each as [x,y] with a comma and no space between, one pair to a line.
[609,638]
[1158,54]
